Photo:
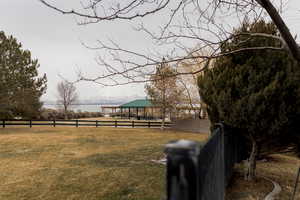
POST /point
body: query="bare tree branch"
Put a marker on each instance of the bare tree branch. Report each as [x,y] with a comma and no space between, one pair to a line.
[282,27]
[189,23]
[126,12]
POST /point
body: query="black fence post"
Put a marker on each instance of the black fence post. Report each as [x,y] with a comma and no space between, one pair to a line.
[116,123]
[203,175]
[96,123]
[76,123]
[296,185]
[3,123]
[30,123]
[54,124]
[182,170]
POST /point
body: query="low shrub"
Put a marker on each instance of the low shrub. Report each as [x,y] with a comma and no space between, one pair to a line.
[50,114]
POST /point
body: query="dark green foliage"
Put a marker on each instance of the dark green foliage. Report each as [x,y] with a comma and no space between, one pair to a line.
[20,86]
[255,91]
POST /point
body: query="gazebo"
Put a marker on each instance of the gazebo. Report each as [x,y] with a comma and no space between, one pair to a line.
[138,108]
[112,108]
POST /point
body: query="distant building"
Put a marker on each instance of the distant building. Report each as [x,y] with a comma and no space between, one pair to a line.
[145,109]
[140,108]
[108,109]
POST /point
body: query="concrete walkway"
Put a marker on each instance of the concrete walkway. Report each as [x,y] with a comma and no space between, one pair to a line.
[276,190]
[193,125]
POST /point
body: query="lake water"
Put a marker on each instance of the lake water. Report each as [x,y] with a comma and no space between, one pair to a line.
[76,108]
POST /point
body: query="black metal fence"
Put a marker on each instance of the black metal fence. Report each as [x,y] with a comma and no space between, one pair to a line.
[78,123]
[202,172]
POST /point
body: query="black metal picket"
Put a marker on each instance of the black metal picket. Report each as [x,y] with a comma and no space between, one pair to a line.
[196,172]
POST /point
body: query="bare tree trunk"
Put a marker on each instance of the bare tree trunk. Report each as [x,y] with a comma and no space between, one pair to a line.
[250,167]
[163,118]
[164,106]
[282,27]
[65,112]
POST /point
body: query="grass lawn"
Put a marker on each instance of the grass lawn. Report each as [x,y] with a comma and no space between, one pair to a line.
[65,163]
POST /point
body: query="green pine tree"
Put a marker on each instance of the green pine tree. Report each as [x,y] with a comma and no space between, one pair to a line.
[256,91]
[20,86]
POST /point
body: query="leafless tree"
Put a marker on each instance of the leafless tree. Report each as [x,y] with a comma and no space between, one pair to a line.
[66,95]
[164,91]
[189,82]
[203,23]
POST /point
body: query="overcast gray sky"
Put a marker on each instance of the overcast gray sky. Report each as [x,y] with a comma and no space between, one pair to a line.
[54,40]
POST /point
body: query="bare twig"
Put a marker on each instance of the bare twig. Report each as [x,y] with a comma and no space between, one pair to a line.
[188,23]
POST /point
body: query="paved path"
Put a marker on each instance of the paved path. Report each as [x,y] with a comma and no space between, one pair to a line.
[276,190]
[193,125]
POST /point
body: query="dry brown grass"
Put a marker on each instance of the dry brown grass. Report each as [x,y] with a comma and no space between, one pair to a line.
[280,168]
[116,118]
[67,163]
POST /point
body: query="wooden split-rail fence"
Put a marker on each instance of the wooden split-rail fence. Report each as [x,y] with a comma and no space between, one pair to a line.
[80,123]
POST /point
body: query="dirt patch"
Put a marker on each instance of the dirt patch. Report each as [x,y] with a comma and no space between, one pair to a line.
[239,189]
[279,168]
[193,125]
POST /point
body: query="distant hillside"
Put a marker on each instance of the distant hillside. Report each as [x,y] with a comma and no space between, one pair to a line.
[100,101]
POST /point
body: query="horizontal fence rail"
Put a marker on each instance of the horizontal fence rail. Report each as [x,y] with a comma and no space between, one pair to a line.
[202,172]
[80,123]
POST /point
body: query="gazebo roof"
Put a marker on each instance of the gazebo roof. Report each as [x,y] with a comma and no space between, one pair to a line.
[139,103]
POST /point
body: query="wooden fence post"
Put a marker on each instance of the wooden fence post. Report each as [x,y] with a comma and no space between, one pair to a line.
[77,123]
